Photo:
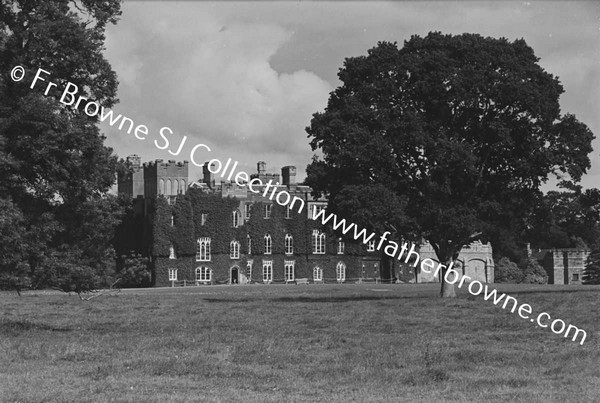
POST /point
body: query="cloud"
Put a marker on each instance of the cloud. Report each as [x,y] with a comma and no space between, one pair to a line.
[212,81]
[246,77]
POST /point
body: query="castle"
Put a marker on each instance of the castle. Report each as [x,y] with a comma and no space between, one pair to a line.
[207,232]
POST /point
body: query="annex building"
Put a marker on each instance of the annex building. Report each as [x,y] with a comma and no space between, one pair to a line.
[205,232]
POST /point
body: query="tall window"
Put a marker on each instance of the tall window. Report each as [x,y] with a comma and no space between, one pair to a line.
[289,244]
[288,266]
[161,187]
[317,274]
[247,208]
[203,273]
[175,187]
[288,212]
[267,271]
[172,220]
[236,218]
[341,247]
[172,252]
[316,209]
[340,271]
[268,208]
[168,188]
[203,218]
[249,245]
[172,274]
[234,250]
[318,242]
[203,250]
[371,246]
[268,244]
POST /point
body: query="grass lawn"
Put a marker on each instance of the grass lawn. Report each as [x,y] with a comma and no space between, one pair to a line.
[276,343]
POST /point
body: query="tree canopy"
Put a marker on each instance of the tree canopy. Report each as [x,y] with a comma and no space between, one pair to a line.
[54,167]
[461,131]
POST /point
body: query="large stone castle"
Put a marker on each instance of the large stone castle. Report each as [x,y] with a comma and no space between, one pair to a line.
[207,232]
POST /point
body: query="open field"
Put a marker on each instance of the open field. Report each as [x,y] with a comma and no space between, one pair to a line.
[333,343]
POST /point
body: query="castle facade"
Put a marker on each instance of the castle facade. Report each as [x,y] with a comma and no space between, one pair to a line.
[213,233]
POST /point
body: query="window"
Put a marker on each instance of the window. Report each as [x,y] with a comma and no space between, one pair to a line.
[172,220]
[203,250]
[168,188]
[316,209]
[247,208]
[183,186]
[341,247]
[175,187]
[268,208]
[172,274]
[371,246]
[575,277]
[268,244]
[249,269]
[234,250]
[172,252]
[203,274]
[318,242]
[203,218]
[317,274]
[289,244]
[267,271]
[161,187]
[236,218]
[289,270]
[340,272]
[249,245]
[288,212]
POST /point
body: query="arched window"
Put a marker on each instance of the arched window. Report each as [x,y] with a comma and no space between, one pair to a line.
[175,187]
[371,246]
[236,218]
[249,245]
[172,252]
[289,244]
[317,274]
[268,244]
[182,187]
[234,250]
[203,273]
[318,242]
[168,188]
[161,187]
[267,271]
[288,266]
[203,250]
[340,271]
[172,220]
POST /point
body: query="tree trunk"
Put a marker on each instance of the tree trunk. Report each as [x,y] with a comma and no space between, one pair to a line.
[448,289]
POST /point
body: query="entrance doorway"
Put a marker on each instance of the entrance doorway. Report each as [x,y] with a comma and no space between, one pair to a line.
[235,277]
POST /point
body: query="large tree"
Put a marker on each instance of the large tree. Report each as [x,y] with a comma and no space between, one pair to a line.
[53,161]
[461,130]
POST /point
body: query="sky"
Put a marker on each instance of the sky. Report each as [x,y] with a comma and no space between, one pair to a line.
[245,78]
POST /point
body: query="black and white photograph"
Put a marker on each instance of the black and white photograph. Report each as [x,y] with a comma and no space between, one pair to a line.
[299,201]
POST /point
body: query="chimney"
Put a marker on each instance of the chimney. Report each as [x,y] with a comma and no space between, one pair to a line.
[209,177]
[261,167]
[288,174]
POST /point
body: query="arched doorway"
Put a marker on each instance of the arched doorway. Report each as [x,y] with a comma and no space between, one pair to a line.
[235,275]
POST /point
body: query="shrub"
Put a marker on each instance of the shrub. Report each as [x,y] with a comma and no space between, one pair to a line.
[507,271]
[534,273]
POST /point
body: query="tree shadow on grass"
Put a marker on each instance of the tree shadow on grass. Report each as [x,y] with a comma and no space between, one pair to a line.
[16,327]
